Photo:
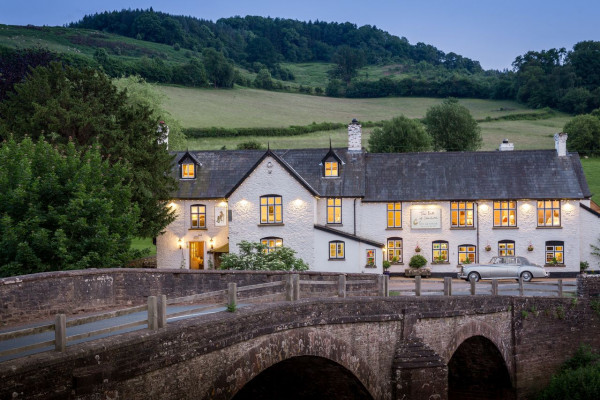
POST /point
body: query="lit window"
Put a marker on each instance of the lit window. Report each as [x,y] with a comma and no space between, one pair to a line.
[548,212]
[198,216]
[394,215]
[466,252]
[271,243]
[394,250]
[188,171]
[336,250]
[506,248]
[370,257]
[440,251]
[505,213]
[555,252]
[331,168]
[271,210]
[462,214]
[334,211]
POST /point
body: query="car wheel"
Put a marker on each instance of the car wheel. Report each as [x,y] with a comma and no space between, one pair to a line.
[526,276]
[473,276]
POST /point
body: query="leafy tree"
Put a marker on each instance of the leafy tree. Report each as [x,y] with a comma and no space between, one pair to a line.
[219,71]
[253,256]
[190,74]
[399,135]
[263,79]
[15,65]
[452,127]
[348,60]
[143,94]
[260,49]
[64,103]
[62,209]
[250,145]
[579,378]
[584,134]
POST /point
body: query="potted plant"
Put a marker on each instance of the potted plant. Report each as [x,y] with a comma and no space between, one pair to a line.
[417,249]
[530,247]
[386,267]
[417,267]
[488,247]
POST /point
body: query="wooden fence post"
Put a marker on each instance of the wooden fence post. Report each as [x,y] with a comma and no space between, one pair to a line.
[473,283]
[289,287]
[152,313]
[447,286]
[232,295]
[60,332]
[342,285]
[386,286]
[494,287]
[162,311]
[295,286]
[418,285]
[521,288]
[560,288]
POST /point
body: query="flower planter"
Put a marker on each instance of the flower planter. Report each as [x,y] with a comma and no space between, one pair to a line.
[412,272]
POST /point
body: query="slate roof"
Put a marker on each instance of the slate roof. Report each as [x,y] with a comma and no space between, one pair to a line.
[484,175]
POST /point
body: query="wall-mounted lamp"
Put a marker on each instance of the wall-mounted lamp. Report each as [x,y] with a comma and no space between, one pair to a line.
[180,243]
[212,242]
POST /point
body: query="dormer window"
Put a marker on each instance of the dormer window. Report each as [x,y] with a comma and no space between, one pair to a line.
[188,171]
[331,168]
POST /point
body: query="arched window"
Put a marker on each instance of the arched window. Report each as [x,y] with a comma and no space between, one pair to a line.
[555,252]
[272,243]
[466,252]
[394,250]
[198,216]
[506,248]
[440,251]
[271,209]
[337,250]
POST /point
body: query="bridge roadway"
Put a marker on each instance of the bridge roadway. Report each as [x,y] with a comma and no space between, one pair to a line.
[380,348]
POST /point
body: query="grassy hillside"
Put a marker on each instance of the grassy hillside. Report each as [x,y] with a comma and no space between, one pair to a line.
[203,108]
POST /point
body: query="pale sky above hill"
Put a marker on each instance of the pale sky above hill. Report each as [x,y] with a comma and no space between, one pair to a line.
[492,32]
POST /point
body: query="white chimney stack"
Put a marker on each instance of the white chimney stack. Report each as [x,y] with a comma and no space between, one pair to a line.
[354,136]
[506,146]
[560,143]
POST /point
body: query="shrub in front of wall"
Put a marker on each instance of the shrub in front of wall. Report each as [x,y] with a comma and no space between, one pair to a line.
[417,261]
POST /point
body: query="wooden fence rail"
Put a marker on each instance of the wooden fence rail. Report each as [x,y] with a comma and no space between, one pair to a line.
[156,309]
[494,287]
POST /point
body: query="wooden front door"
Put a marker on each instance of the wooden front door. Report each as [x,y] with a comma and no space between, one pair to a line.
[196,255]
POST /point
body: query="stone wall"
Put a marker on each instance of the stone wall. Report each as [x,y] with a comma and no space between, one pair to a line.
[588,285]
[37,296]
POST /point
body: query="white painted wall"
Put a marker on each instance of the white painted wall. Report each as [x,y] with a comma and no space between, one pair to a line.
[168,253]
[299,208]
[589,235]
[355,255]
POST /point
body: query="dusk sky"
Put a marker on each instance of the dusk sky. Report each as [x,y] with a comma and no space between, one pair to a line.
[491,32]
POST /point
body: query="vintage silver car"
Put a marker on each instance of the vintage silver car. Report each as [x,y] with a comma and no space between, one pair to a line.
[509,267]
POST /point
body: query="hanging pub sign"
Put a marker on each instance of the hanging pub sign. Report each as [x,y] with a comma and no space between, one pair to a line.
[426,218]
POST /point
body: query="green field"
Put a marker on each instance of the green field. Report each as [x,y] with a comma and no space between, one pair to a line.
[241,107]
[144,244]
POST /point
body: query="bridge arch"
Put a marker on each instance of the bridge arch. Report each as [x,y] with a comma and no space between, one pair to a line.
[280,351]
[304,377]
[479,328]
[477,370]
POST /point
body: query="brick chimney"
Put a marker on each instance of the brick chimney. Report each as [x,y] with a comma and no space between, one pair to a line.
[354,136]
[560,143]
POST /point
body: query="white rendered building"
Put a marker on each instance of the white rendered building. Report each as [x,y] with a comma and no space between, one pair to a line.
[346,210]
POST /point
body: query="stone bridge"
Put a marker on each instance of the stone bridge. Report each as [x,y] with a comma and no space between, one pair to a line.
[354,348]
